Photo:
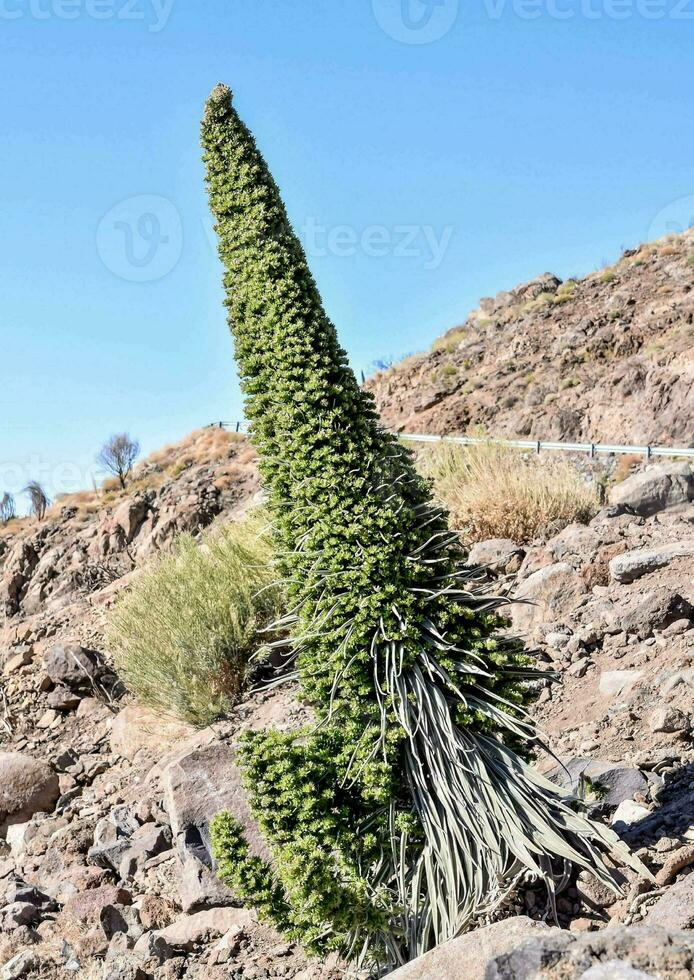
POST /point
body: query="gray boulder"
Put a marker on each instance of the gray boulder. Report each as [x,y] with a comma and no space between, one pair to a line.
[619,953]
[72,666]
[675,909]
[27,786]
[655,489]
[632,565]
[191,930]
[611,784]
[549,594]
[196,787]
[469,956]
[667,718]
[20,965]
[660,609]
[130,515]
[112,838]
[496,554]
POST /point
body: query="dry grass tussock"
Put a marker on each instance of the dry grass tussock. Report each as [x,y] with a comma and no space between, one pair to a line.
[494,491]
[183,634]
[14,526]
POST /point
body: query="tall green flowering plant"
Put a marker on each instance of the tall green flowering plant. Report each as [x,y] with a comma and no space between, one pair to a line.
[407,811]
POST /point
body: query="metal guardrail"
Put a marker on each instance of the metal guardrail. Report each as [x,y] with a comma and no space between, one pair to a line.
[228,426]
[592,449]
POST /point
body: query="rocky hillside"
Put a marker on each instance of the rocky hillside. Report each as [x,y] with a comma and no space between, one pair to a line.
[608,358]
[89,540]
[105,870]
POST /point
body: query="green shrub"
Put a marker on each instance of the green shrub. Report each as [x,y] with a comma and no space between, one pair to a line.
[183,634]
[565,293]
[407,810]
[450,340]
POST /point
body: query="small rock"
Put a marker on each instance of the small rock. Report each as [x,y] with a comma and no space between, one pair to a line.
[594,892]
[634,564]
[659,610]
[682,858]
[153,946]
[196,787]
[20,965]
[551,591]
[497,554]
[19,914]
[472,956]
[123,967]
[15,835]
[678,627]
[556,640]
[130,515]
[73,666]
[629,813]
[675,908]
[63,699]
[21,659]
[191,930]
[115,919]
[615,970]
[668,719]
[27,786]
[614,683]
[86,907]
[580,667]
[155,912]
[47,718]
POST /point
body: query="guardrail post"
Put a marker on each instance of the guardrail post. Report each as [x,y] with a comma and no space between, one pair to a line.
[538,447]
[591,451]
[648,452]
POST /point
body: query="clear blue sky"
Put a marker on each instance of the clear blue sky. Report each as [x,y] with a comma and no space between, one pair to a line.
[532,135]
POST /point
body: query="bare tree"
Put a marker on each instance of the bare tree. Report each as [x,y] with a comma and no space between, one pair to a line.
[38,500]
[118,455]
[7,509]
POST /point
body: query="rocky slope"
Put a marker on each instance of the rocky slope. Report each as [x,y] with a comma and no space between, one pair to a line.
[607,358]
[105,870]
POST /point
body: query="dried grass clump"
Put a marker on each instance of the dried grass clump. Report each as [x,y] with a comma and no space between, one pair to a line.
[184,633]
[494,491]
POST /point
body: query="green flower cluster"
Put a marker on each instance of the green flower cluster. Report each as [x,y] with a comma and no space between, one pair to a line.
[407,811]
